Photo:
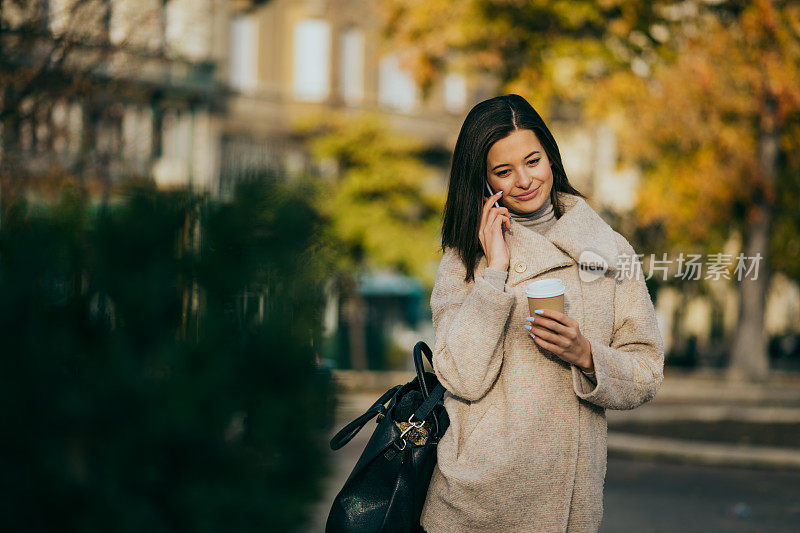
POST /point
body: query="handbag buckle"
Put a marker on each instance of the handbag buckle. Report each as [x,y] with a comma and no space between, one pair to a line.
[403,433]
[416,425]
[418,436]
[412,425]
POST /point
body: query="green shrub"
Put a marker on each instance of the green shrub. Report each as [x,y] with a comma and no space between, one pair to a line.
[158,368]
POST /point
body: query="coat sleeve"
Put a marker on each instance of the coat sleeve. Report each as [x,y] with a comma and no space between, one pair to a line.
[629,372]
[469,323]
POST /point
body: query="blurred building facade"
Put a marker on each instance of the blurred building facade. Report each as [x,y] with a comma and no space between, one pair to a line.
[198,92]
[110,89]
[289,58]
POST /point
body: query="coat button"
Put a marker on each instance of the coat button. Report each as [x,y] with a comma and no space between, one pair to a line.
[520,267]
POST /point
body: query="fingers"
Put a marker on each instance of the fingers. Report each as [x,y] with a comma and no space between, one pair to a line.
[557,316]
[487,206]
[491,200]
[555,339]
[495,217]
[549,336]
[556,349]
[565,327]
[491,226]
[504,212]
[489,209]
[552,325]
[495,212]
[494,224]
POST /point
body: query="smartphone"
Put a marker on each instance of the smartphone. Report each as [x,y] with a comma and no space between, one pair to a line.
[489,189]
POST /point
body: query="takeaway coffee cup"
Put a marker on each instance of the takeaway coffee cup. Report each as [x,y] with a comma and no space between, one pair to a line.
[545,294]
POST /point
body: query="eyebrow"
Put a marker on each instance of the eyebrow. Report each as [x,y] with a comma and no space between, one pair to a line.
[508,165]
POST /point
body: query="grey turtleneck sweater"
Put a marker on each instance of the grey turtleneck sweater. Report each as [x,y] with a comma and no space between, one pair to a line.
[539,221]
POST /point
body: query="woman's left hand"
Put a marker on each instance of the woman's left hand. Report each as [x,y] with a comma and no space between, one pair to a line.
[562,337]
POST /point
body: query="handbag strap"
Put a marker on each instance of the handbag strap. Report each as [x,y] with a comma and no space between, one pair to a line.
[431,399]
[420,366]
[350,430]
[430,402]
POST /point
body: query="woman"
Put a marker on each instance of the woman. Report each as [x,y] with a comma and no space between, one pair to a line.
[526,446]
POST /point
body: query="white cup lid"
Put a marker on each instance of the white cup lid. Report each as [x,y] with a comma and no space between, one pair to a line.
[545,288]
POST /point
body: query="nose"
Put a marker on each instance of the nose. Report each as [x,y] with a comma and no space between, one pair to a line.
[524,180]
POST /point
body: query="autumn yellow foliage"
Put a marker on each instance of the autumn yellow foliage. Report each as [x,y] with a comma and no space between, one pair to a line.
[384,205]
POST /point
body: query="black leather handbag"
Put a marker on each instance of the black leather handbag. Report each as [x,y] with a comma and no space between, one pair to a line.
[386,490]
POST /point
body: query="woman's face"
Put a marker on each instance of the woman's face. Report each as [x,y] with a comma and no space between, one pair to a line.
[519,166]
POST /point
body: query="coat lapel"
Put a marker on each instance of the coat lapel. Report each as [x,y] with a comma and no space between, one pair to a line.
[579,236]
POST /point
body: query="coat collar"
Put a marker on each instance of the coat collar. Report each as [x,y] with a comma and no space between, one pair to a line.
[580,237]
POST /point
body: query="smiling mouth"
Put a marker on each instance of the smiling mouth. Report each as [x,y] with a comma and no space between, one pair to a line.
[529,195]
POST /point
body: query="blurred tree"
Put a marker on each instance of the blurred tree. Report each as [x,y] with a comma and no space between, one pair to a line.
[158,369]
[384,206]
[696,89]
[717,132]
[552,51]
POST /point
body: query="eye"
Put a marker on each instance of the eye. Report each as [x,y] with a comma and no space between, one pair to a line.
[534,161]
[503,173]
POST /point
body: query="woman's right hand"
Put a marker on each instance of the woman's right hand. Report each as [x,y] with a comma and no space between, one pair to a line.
[490,233]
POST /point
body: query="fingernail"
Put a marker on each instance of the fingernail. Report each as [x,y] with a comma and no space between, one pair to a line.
[532,335]
[528,327]
[539,311]
[530,318]
[498,193]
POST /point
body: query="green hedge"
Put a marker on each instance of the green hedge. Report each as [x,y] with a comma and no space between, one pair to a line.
[158,368]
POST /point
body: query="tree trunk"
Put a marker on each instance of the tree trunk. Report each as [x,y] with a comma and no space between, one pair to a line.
[355,311]
[10,157]
[749,354]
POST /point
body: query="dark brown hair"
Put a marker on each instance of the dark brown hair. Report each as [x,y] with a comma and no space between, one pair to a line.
[486,123]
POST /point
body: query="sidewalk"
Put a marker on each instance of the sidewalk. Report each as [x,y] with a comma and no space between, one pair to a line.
[688,398]
[704,400]
[679,463]
[637,446]
[703,386]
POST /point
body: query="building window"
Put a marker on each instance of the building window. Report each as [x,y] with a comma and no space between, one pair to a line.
[396,87]
[312,38]
[243,53]
[189,28]
[455,92]
[177,136]
[79,20]
[135,23]
[137,128]
[351,79]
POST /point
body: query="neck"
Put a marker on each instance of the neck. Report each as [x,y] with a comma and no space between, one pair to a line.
[540,220]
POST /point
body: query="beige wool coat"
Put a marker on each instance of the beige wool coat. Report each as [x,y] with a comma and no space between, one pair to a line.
[526,446]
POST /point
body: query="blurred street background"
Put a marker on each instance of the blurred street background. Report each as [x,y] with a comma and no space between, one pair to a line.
[220,225]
